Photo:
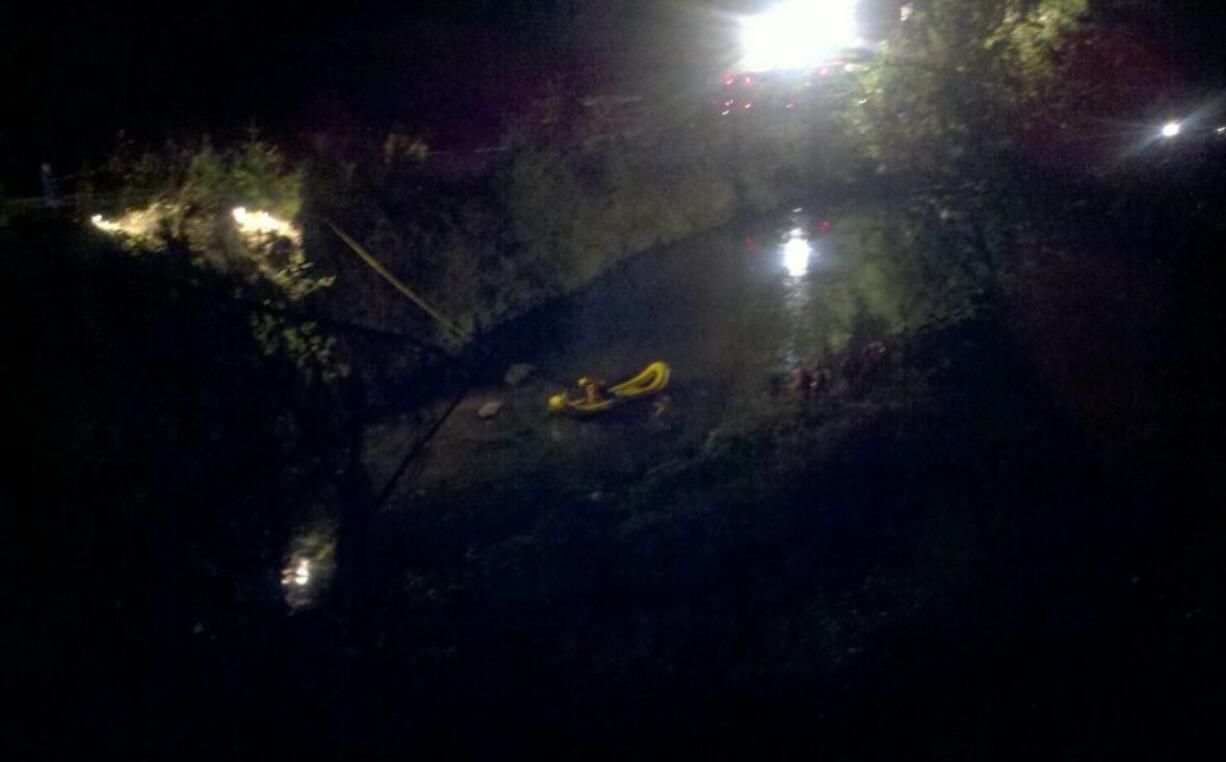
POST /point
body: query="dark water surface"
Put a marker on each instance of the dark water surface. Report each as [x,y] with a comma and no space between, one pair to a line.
[734,313]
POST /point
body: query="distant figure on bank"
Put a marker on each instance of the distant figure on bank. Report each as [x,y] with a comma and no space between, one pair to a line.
[802,382]
[50,197]
[821,378]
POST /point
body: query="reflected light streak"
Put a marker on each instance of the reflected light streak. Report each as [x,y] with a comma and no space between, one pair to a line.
[796,255]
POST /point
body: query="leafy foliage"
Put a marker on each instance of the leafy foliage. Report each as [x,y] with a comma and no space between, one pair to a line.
[182,200]
[312,351]
[957,82]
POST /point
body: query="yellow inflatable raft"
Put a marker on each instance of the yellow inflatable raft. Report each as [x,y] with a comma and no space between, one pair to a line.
[651,381]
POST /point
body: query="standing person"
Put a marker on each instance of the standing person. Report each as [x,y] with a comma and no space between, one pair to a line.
[593,390]
[50,198]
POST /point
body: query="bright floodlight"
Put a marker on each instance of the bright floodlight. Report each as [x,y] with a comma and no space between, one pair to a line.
[798,34]
[1171,129]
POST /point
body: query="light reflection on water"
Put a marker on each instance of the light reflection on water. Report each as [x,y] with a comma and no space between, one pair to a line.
[737,310]
[797,251]
[310,564]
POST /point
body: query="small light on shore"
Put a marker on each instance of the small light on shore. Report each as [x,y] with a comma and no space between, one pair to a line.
[135,224]
[263,223]
[299,576]
[104,224]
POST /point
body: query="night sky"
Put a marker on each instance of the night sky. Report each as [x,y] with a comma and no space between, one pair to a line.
[76,73]
[83,71]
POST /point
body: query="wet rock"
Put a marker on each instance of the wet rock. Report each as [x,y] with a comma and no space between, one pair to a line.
[518,373]
[662,407]
[489,409]
[662,418]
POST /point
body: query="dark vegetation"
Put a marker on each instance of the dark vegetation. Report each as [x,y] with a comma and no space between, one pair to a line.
[988,545]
